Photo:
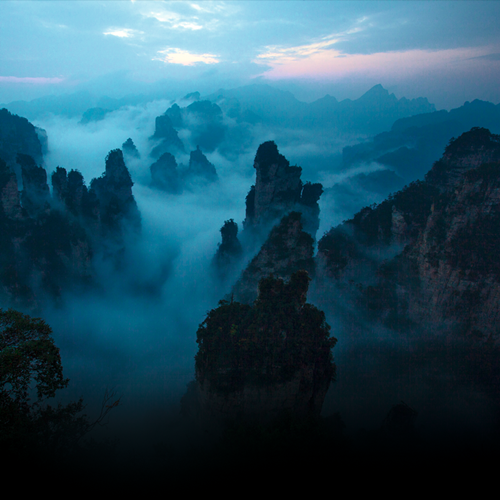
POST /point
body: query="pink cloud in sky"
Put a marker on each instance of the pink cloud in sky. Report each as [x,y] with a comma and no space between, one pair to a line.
[33,80]
[333,64]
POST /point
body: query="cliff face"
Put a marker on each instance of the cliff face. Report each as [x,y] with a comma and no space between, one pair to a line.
[117,205]
[456,257]
[278,190]
[48,243]
[36,194]
[256,363]
[277,186]
[229,250]
[9,193]
[18,136]
[287,250]
[429,253]
[166,176]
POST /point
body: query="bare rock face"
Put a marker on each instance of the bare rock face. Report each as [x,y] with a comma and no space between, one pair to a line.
[456,258]
[277,186]
[60,185]
[71,195]
[287,249]
[175,115]
[278,190]
[256,363]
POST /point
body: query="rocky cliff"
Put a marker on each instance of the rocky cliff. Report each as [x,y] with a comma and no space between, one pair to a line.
[113,190]
[18,136]
[35,195]
[229,250]
[278,190]
[287,250]
[428,254]
[48,242]
[256,363]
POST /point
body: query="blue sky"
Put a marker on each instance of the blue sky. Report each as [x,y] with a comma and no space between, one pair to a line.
[446,51]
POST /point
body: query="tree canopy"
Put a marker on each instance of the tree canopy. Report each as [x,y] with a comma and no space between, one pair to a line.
[30,373]
[265,343]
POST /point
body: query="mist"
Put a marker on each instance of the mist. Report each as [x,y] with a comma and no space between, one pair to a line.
[135,333]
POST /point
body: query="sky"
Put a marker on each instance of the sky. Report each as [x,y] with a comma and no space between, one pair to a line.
[446,51]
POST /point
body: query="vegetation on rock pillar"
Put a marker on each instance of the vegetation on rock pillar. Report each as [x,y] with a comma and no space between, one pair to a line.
[266,343]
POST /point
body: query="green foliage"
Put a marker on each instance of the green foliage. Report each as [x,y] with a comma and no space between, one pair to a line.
[266,343]
[476,139]
[31,373]
[372,225]
[28,354]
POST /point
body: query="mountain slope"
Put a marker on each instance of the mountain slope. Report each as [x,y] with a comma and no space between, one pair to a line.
[428,254]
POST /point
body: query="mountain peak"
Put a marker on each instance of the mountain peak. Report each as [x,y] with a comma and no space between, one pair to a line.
[376,92]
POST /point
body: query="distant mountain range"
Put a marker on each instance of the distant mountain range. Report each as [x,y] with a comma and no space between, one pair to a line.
[374,112]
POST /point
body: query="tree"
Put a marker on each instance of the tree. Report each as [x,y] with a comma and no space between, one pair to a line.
[30,373]
[266,343]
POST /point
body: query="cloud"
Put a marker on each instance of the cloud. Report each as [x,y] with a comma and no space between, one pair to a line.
[184,57]
[320,60]
[123,32]
[37,80]
[279,55]
[213,7]
[489,57]
[275,54]
[176,21]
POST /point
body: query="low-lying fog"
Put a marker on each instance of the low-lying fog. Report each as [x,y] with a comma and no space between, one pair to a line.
[138,336]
